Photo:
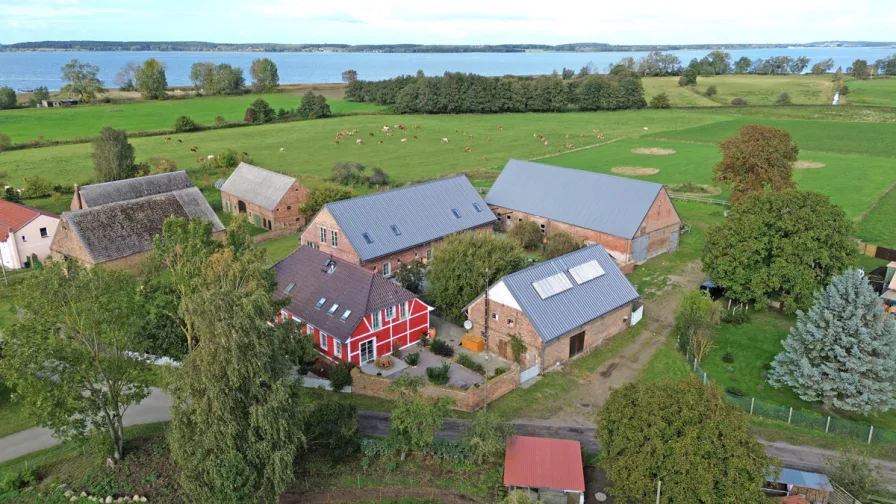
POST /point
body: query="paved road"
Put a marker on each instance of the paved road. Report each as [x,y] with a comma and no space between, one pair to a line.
[155,409]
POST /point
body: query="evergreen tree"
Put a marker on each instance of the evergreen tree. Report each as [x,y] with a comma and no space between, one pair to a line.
[843,350]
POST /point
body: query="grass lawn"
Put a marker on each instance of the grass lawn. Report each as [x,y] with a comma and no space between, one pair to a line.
[666,364]
[87,121]
[678,96]
[878,226]
[765,89]
[279,248]
[878,91]
[12,416]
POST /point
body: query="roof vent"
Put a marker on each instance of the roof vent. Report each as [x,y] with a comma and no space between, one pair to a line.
[455,212]
[395,230]
[367,238]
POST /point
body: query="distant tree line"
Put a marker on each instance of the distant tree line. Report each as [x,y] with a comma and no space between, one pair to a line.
[456,93]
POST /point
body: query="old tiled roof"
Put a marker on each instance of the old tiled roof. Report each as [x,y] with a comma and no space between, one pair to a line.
[581,302]
[611,205]
[125,228]
[403,218]
[537,462]
[14,216]
[257,185]
[352,287]
[121,190]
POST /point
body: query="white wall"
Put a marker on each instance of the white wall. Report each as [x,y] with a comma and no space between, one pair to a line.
[33,243]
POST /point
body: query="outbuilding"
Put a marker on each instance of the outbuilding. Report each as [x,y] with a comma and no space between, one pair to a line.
[269,199]
[549,468]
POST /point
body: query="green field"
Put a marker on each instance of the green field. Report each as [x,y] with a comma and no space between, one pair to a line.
[86,121]
[880,92]
[877,227]
[756,89]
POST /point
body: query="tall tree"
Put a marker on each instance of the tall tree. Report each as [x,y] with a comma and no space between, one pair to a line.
[860,69]
[236,422]
[350,76]
[126,78]
[486,437]
[7,98]
[68,357]
[696,321]
[265,78]
[843,350]
[823,66]
[113,156]
[415,418]
[82,80]
[757,158]
[213,79]
[457,272]
[151,81]
[783,245]
[684,434]
[720,61]
[854,471]
[314,106]
[321,195]
[743,65]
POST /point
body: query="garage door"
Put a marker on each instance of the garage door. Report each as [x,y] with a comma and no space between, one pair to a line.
[639,248]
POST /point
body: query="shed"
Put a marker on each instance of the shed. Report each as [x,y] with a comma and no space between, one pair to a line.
[814,487]
[551,468]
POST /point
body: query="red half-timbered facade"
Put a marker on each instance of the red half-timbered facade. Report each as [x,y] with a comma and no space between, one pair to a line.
[354,314]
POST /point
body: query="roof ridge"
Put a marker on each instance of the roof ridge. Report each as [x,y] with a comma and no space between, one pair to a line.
[589,172]
[264,169]
[397,189]
[132,200]
[550,262]
[122,181]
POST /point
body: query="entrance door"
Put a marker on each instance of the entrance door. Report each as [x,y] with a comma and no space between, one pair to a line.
[367,352]
[673,245]
[240,207]
[503,350]
[576,344]
[639,248]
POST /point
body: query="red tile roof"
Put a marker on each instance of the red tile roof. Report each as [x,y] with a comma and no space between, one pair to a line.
[14,216]
[544,463]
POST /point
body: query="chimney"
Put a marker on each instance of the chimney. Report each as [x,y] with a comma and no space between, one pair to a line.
[77,204]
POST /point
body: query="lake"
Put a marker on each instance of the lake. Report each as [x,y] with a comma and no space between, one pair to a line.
[28,70]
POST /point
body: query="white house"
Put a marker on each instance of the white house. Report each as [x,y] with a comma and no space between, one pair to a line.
[24,233]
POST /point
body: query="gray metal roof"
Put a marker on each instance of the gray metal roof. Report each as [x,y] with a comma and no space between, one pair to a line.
[805,479]
[611,205]
[127,227]
[576,306]
[420,213]
[121,190]
[352,287]
[257,185]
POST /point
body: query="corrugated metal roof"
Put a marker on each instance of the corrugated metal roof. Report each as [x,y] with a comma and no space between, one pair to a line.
[140,187]
[558,314]
[612,205]
[804,479]
[550,463]
[254,184]
[422,212]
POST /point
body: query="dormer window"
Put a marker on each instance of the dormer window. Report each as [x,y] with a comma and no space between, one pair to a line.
[321,302]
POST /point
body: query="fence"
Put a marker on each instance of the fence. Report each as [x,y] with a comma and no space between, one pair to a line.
[697,199]
[872,250]
[802,418]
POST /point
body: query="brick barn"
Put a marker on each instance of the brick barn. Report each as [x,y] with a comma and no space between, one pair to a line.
[633,219]
[354,314]
[381,231]
[270,200]
[560,309]
[94,195]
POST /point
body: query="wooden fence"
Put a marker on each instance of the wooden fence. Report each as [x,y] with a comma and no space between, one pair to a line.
[697,199]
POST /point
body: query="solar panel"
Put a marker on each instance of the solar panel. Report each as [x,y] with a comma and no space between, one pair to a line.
[587,271]
[552,285]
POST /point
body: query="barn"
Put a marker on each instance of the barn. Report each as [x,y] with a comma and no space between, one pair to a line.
[269,199]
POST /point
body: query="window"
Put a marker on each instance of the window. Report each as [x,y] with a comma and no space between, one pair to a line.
[309,329]
[345,315]
[323,235]
[23,239]
[416,255]
[456,213]
[289,207]
[323,341]
[477,207]
[508,216]
[429,254]
[377,321]
[390,313]
[510,322]
[333,308]
[289,287]
[321,302]
[395,230]
[337,348]
[334,238]
[542,229]
[403,311]
[298,219]
[387,269]
[495,316]
[367,238]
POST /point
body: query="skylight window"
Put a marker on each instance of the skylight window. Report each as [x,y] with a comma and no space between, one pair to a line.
[455,212]
[321,302]
[587,271]
[367,238]
[328,262]
[552,285]
[477,207]
[395,230]
[289,287]
[345,315]
[333,308]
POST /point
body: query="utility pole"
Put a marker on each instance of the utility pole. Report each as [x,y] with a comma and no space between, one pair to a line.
[485,337]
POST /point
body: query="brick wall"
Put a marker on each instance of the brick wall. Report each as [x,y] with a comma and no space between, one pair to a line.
[661,220]
[464,400]
[500,331]
[343,249]
[418,253]
[66,244]
[285,215]
[596,332]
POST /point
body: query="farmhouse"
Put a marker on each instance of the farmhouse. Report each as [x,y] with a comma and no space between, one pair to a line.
[551,469]
[120,234]
[383,230]
[94,195]
[271,200]
[558,309]
[25,234]
[633,219]
[354,314]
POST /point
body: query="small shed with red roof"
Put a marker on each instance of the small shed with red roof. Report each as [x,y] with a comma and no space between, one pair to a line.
[550,468]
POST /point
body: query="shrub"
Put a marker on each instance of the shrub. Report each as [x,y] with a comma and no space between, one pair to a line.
[438,375]
[527,233]
[184,124]
[518,347]
[341,376]
[712,91]
[313,106]
[737,316]
[660,101]
[499,371]
[682,81]
[740,102]
[17,480]
[262,112]
[728,357]
[162,165]
[735,391]
[37,187]
[439,347]
[396,350]
[783,99]
[5,142]
[467,362]
[219,120]
[560,243]
[844,90]
[412,358]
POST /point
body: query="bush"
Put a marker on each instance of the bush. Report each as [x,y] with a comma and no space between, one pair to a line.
[560,243]
[740,102]
[527,233]
[660,101]
[737,316]
[184,124]
[37,187]
[162,165]
[467,362]
[682,81]
[412,358]
[783,99]
[438,375]
[735,391]
[728,357]
[17,480]
[313,106]
[5,142]
[499,371]
[439,347]
[517,347]
[396,350]
[844,90]
[712,91]
[219,120]
[262,112]
[341,376]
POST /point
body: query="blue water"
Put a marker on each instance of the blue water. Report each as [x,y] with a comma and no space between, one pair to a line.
[28,70]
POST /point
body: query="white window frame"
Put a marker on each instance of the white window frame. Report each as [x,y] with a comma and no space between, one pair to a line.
[387,269]
[429,254]
[390,313]
[334,238]
[403,311]
[337,347]
[44,232]
[376,321]
[372,342]
[309,329]
[323,234]
[323,341]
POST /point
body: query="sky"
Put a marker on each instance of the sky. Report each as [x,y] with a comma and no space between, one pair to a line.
[449,21]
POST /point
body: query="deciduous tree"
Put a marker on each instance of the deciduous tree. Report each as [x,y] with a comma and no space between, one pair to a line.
[262,111]
[82,80]
[660,101]
[696,321]
[457,272]
[321,195]
[743,65]
[350,76]
[823,66]
[527,233]
[151,81]
[213,79]
[411,276]
[265,78]
[685,434]
[314,106]
[68,357]
[113,156]
[7,98]
[843,350]
[860,69]
[415,418]
[560,243]
[757,158]
[782,245]
[854,471]
[486,437]
[126,78]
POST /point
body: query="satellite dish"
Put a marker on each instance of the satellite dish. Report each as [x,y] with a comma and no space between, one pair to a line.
[468,324]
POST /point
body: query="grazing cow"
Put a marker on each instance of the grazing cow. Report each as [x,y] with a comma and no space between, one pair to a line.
[371,134]
[211,156]
[167,139]
[534,135]
[415,137]
[470,137]
[567,136]
[416,126]
[245,153]
[336,141]
[359,142]
[199,159]
[571,146]
[596,130]
[500,128]
[193,149]
[466,149]
[545,142]
[282,149]
[444,140]
[404,140]
[381,142]
[181,141]
[485,158]
[645,128]
[582,135]
[489,139]
[601,136]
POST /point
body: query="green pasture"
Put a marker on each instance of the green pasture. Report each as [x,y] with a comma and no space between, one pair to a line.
[86,121]
[678,96]
[846,113]
[765,89]
[878,92]
[877,227]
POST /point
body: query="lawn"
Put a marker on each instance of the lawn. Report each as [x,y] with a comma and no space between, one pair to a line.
[878,226]
[678,96]
[88,120]
[12,414]
[279,248]
[879,92]
[765,89]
